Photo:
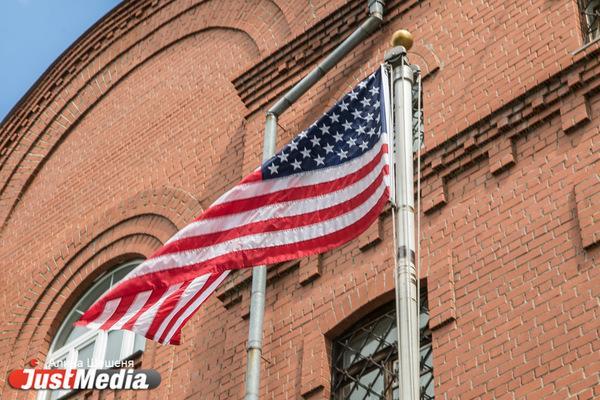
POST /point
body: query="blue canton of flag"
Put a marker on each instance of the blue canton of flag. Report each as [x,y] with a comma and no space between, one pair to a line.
[349,129]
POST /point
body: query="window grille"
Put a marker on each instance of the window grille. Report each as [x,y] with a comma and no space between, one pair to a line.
[365,358]
[590,19]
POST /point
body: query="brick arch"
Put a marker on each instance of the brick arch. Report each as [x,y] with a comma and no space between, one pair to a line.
[48,141]
[315,381]
[102,63]
[133,229]
[424,56]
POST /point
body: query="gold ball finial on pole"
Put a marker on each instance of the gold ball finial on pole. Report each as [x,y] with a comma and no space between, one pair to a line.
[402,38]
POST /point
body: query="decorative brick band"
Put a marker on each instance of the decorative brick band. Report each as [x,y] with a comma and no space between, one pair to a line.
[493,138]
[316,364]
[272,76]
[94,78]
[574,112]
[440,293]
[587,200]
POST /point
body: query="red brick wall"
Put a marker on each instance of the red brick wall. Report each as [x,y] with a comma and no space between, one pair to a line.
[160,108]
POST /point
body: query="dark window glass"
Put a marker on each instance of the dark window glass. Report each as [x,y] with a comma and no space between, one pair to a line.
[365,357]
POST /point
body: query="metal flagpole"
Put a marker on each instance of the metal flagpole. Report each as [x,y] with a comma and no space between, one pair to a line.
[259,274]
[259,284]
[404,218]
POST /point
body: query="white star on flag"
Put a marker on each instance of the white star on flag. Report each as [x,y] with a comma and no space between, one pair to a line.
[305,153]
[324,129]
[356,114]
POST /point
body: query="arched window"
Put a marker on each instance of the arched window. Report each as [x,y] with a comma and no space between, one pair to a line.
[365,357]
[80,347]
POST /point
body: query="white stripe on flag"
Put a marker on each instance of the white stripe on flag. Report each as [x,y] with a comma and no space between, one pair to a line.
[260,240]
[194,306]
[107,312]
[137,304]
[300,179]
[189,292]
[144,321]
[281,210]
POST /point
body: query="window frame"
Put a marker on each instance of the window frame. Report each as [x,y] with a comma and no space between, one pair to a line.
[69,351]
[384,358]
[589,35]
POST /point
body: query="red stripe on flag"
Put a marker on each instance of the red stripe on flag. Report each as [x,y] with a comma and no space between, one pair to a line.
[293,193]
[271,225]
[176,338]
[165,308]
[121,309]
[174,318]
[154,297]
[253,177]
[235,260]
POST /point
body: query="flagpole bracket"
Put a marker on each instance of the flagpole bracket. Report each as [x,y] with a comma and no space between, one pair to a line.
[394,55]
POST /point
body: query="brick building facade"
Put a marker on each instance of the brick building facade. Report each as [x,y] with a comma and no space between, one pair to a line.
[159,108]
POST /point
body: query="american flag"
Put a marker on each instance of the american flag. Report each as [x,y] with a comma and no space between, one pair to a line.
[324,188]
